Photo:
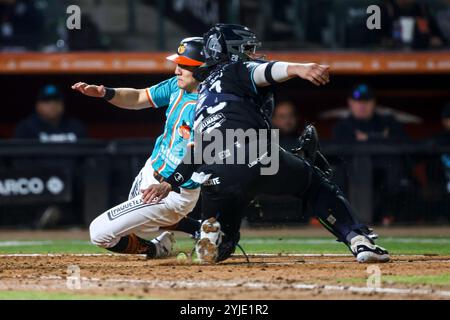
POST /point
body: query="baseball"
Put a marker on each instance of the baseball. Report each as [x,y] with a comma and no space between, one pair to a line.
[182,258]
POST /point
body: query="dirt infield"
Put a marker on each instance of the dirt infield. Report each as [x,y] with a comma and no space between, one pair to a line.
[265,277]
[271,277]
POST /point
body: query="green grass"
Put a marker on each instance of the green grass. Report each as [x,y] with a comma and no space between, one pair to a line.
[396,245]
[42,295]
[441,279]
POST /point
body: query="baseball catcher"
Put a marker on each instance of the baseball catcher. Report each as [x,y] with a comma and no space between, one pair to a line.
[236,94]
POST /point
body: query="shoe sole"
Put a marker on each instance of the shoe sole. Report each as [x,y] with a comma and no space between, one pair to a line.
[369,257]
[206,250]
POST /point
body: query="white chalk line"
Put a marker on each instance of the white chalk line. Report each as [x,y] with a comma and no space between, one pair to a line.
[255,241]
[332,241]
[24,243]
[191,284]
[19,243]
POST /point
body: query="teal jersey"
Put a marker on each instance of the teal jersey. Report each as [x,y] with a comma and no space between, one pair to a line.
[171,146]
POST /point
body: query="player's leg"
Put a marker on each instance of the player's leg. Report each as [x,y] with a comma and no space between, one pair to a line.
[131,243]
[297,177]
[125,227]
[224,197]
[187,225]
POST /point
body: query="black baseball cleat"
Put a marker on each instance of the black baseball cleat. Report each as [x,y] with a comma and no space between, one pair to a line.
[366,251]
[227,246]
[309,149]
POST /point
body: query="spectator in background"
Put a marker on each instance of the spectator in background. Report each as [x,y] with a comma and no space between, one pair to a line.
[434,175]
[409,22]
[443,139]
[365,126]
[48,123]
[21,23]
[443,20]
[285,118]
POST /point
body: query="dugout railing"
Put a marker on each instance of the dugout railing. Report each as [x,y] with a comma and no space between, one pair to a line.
[405,182]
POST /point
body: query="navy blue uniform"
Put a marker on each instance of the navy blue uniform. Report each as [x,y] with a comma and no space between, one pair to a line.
[229,99]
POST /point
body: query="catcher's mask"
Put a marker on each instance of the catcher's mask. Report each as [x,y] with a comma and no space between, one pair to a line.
[229,42]
[189,52]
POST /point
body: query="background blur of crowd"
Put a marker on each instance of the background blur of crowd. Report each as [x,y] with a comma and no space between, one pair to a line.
[382,131]
[157,24]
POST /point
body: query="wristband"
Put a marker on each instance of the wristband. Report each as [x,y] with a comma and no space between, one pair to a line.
[109,93]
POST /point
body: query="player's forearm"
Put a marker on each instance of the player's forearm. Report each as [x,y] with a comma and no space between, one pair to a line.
[129,98]
[273,72]
[278,71]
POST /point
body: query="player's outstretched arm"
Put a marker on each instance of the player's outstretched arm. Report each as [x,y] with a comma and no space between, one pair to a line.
[278,71]
[126,98]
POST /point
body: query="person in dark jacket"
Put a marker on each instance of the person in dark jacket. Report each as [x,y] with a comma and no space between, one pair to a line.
[365,126]
[285,119]
[442,139]
[48,123]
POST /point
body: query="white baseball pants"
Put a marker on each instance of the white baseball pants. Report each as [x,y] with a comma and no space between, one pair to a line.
[134,216]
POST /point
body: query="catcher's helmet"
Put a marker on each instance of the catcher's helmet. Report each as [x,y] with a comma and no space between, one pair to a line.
[189,52]
[232,42]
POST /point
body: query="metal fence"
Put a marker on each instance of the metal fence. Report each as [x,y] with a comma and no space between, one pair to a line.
[402,183]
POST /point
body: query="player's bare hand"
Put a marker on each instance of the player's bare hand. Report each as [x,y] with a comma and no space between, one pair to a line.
[90,90]
[156,192]
[313,72]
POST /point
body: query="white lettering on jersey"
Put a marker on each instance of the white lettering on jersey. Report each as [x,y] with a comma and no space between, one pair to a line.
[217,86]
[219,107]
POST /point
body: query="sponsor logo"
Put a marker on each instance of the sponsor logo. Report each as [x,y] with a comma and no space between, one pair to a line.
[55,185]
[212,182]
[213,47]
[331,219]
[212,120]
[125,208]
[57,137]
[178,177]
[30,186]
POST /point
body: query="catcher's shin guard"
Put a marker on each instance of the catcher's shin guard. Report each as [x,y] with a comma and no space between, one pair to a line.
[333,210]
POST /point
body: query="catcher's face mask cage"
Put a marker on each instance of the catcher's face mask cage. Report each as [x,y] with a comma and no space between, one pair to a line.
[231,42]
